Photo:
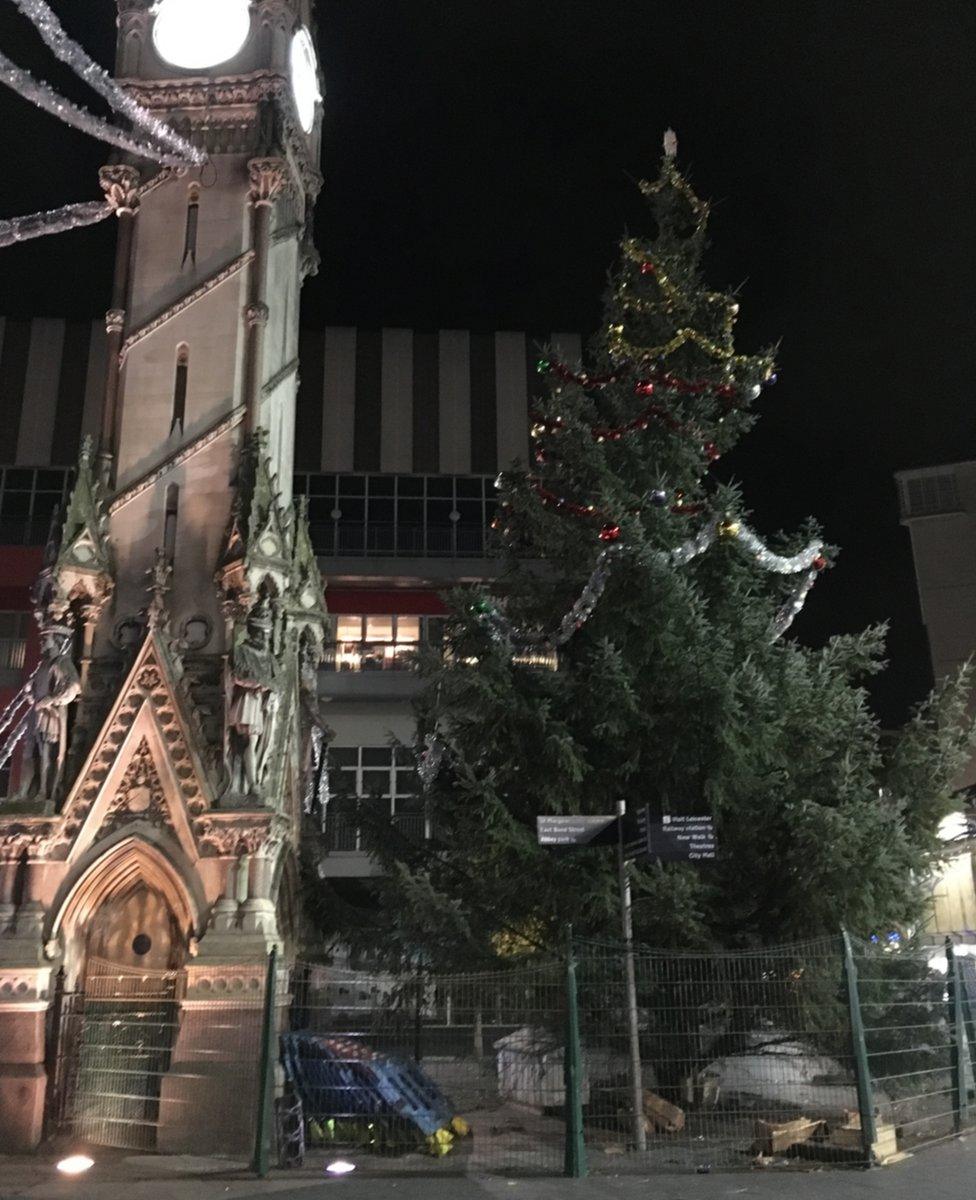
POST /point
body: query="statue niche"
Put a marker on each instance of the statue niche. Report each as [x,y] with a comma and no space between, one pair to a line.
[54,686]
[255,680]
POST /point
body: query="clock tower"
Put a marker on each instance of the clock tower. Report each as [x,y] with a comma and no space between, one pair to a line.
[174,717]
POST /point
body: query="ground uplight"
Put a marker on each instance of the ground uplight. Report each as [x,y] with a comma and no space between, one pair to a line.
[75,1164]
[340,1167]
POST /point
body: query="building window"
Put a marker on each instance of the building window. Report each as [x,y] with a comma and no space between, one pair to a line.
[402,515]
[373,786]
[380,643]
[28,498]
[192,222]
[179,387]
[926,495]
[13,640]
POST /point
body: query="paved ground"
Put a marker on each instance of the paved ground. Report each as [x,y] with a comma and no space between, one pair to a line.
[945,1172]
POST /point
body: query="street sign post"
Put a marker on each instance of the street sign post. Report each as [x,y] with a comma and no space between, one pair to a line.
[576,831]
[675,838]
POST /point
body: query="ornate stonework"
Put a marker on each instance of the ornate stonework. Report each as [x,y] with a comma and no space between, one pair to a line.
[120,183]
[140,796]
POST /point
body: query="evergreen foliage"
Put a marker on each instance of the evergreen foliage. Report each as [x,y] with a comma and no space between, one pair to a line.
[675,692]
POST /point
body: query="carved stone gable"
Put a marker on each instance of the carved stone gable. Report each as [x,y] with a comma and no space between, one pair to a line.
[140,796]
[148,760]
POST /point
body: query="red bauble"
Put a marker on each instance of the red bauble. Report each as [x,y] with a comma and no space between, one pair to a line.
[647,268]
[712,451]
[644,387]
[609,533]
[819,562]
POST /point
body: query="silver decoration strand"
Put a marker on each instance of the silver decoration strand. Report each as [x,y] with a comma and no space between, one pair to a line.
[504,630]
[429,762]
[778,563]
[324,792]
[11,743]
[69,52]
[57,220]
[47,98]
[788,610]
[12,711]
[308,800]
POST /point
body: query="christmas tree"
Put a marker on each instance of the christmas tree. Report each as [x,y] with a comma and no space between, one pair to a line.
[634,649]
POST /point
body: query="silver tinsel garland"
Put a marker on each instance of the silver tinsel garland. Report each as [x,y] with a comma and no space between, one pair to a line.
[47,25]
[502,629]
[788,610]
[57,220]
[160,144]
[47,98]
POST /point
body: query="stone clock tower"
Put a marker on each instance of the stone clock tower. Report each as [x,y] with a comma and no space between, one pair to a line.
[163,764]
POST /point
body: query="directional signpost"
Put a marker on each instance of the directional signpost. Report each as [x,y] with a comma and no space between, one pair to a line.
[576,831]
[673,838]
[668,838]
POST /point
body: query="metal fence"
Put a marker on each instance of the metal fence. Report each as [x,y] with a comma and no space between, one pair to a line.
[833,1051]
[136,1063]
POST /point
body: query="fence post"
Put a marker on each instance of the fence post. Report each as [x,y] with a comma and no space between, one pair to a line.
[955,1017]
[261,1162]
[865,1091]
[575,1158]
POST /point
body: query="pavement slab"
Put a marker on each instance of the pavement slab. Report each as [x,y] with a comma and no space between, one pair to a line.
[944,1172]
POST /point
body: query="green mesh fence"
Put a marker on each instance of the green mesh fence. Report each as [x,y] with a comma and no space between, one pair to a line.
[728,1060]
[444,1073]
[915,1005]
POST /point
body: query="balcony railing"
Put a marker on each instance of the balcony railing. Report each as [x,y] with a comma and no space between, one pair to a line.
[12,653]
[399,540]
[370,656]
[343,833]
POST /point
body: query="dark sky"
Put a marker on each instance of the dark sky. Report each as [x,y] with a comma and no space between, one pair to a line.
[477,158]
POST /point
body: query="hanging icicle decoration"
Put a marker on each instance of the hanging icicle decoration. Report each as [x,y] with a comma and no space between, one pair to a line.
[160,144]
[69,52]
[47,98]
[57,220]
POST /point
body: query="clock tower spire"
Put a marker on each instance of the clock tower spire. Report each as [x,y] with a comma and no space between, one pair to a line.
[181,608]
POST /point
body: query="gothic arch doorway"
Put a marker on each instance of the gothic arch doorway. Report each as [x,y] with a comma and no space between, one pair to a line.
[125,927]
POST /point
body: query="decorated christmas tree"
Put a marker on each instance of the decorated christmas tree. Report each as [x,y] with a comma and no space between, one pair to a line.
[635,647]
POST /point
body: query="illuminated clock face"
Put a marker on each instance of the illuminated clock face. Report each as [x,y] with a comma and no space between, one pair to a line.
[200,33]
[304,78]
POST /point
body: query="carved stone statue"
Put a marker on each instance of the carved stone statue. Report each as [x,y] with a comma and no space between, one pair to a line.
[253,704]
[52,689]
[316,734]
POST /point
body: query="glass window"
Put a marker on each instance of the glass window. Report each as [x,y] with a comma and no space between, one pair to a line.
[379,629]
[410,485]
[377,756]
[349,629]
[382,485]
[408,629]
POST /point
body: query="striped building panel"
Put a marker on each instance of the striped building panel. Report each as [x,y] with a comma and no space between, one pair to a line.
[512,403]
[338,399]
[396,401]
[396,421]
[94,383]
[40,404]
[454,379]
[13,377]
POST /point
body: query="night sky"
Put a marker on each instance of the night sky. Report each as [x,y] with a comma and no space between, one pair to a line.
[478,161]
